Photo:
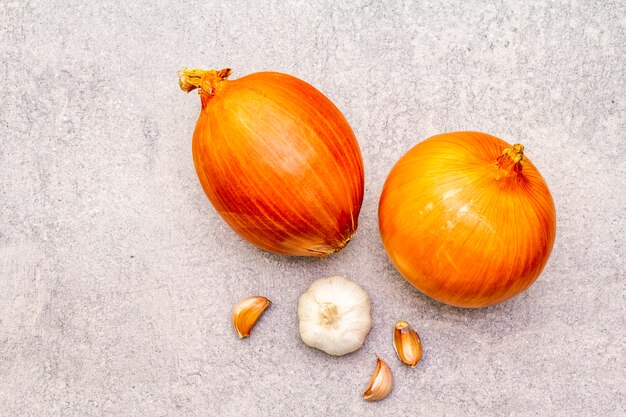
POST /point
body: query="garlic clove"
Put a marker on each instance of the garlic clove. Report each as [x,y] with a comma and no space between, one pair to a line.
[246,313]
[381,382]
[407,343]
[334,315]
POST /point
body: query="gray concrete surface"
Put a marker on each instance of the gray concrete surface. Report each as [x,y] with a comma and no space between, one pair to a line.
[117,276]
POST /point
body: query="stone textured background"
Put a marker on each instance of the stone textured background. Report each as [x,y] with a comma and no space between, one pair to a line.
[117,276]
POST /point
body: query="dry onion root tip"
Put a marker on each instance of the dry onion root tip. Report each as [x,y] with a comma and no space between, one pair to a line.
[381,382]
[342,244]
[246,313]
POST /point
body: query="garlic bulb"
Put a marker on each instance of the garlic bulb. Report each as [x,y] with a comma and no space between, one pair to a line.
[334,315]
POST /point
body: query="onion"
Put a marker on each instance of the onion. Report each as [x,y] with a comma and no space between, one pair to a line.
[467,219]
[277,160]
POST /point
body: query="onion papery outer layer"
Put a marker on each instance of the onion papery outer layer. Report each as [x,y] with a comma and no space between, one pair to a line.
[467,219]
[278,161]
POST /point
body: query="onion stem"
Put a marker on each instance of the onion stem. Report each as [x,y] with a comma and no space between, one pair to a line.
[511,159]
[190,79]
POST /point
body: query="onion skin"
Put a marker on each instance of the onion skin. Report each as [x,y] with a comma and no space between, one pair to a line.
[278,161]
[466,222]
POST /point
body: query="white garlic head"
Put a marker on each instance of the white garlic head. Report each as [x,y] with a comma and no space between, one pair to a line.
[334,315]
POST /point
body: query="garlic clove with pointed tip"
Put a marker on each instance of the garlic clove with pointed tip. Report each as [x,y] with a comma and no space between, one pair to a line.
[407,343]
[246,313]
[381,382]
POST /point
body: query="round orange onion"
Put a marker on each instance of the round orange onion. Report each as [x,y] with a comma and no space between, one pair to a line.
[278,161]
[467,219]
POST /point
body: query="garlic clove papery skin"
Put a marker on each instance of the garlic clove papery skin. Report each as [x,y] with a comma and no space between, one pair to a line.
[380,383]
[334,315]
[407,343]
[246,313]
